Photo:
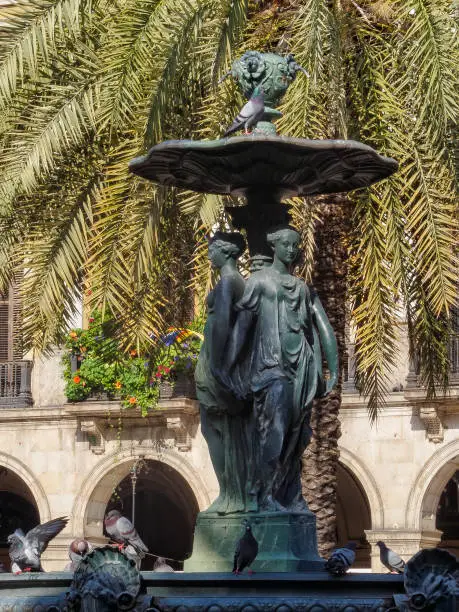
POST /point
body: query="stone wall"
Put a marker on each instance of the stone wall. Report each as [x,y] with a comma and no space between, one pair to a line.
[71,456]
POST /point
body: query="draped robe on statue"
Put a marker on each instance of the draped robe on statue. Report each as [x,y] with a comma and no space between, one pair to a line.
[225,420]
[275,359]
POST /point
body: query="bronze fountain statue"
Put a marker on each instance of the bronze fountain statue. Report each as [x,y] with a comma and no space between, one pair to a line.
[267,337]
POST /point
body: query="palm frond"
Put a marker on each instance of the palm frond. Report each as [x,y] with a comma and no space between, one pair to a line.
[51,287]
[303,107]
[53,129]
[372,292]
[227,27]
[429,59]
[28,34]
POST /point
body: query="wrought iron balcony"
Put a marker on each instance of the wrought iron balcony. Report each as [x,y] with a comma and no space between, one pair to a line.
[15,380]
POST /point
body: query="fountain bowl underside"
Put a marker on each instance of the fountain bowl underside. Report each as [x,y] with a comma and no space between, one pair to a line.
[285,166]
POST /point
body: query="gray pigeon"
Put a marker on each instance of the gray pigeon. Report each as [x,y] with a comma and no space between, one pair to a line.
[294,66]
[250,114]
[122,531]
[389,558]
[77,550]
[246,551]
[341,559]
[160,565]
[25,550]
[134,554]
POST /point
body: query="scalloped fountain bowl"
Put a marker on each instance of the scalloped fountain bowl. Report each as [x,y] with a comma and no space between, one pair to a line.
[286,166]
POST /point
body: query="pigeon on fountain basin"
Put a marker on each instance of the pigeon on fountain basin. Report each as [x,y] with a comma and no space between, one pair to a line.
[160,565]
[77,550]
[394,563]
[26,549]
[341,559]
[123,532]
[246,551]
[250,114]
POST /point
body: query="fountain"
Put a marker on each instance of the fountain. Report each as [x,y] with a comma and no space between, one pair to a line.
[261,363]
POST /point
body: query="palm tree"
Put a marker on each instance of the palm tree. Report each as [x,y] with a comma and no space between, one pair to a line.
[86,85]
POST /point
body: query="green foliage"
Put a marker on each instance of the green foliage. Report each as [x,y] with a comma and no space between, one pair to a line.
[103,368]
[177,358]
[85,85]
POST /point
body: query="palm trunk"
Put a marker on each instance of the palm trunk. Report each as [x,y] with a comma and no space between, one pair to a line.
[321,457]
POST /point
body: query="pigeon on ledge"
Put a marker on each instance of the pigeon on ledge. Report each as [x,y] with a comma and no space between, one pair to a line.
[250,114]
[394,563]
[160,565]
[341,559]
[77,550]
[246,551]
[26,549]
[123,532]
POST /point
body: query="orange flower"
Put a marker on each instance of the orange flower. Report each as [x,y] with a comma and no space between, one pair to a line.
[133,400]
[83,349]
[73,335]
[76,379]
[133,353]
[118,384]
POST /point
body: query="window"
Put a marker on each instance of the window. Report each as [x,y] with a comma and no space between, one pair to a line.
[10,325]
[6,325]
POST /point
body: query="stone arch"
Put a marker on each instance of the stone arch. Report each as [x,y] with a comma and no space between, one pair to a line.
[368,483]
[32,482]
[88,511]
[425,494]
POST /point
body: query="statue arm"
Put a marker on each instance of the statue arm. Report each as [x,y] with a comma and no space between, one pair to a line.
[221,327]
[327,339]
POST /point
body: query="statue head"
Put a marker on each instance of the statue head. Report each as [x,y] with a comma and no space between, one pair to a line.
[224,246]
[285,242]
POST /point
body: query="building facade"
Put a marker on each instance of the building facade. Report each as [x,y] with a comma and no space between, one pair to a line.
[397,481]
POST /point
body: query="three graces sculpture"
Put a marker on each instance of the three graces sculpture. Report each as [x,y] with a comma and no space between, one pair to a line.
[258,372]
[267,337]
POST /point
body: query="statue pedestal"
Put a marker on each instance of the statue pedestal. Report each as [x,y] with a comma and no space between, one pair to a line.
[287,542]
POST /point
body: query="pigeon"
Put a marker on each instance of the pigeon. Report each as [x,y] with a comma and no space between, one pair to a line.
[134,554]
[341,559]
[122,531]
[160,565]
[394,563]
[246,551]
[26,549]
[77,550]
[294,66]
[250,114]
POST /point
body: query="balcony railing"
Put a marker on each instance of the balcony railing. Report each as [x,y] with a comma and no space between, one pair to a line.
[15,379]
[412,380]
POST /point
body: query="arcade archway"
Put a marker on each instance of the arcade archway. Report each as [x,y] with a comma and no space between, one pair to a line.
[169,494]
[165,511]
[353,515]
[447,517]
[18,509]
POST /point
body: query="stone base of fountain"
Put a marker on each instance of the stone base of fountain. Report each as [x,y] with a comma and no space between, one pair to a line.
[287,542]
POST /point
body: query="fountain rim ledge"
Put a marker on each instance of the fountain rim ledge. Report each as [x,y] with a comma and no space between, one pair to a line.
[217,166]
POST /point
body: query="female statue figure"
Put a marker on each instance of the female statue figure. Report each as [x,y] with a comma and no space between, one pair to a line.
[275,360]
[225,420]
